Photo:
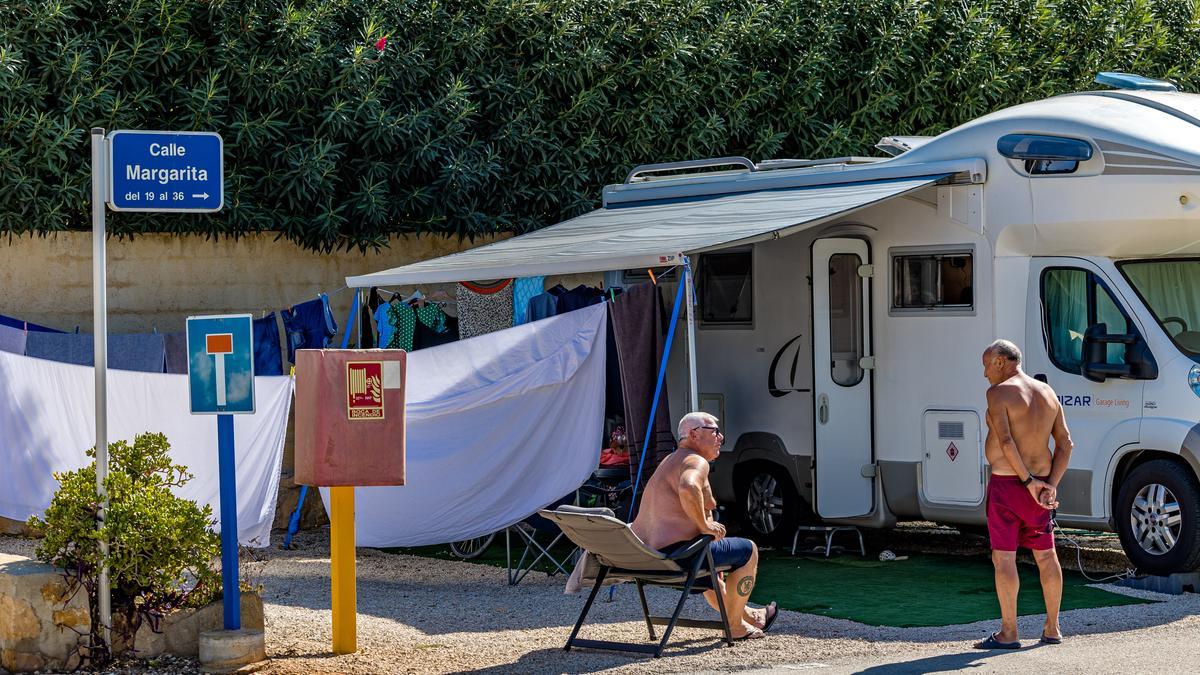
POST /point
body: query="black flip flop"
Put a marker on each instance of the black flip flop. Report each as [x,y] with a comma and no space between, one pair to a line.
[993,643]
[771,618]
[1047,640]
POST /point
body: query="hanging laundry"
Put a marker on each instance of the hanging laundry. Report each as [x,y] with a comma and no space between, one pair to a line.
[639,325]
[268,359]
[383,325]
[484,308]
[145,352]
[579,297]
[12,340]
[177,356]
[309,325]
[25,325]
[404,320]
[524,289]
[541,306]
[424,336]
[367,321]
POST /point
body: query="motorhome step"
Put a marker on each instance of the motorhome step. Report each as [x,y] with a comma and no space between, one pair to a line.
[829,531]
[1173,584]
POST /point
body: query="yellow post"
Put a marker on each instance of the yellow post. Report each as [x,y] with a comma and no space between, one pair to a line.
[341,560]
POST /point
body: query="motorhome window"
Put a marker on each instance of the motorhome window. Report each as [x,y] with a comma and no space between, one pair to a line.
[1171,291]
[845,319]
[1045,167]
[1072,300]
[933,281]
[726,288]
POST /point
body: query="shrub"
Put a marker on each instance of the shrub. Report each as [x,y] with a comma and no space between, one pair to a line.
[162,551]
[481,116]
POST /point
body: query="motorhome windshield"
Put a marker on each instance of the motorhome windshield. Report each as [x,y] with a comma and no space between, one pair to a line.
[1171,289]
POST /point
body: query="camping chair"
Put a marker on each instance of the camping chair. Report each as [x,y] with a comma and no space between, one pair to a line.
[609,487]
[621,556]
[539,537]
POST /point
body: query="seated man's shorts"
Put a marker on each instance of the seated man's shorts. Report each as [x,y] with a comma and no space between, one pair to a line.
[732,551]
[1014,517]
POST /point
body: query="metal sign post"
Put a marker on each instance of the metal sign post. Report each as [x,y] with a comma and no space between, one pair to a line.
[100,344]
[180,171]
[221,382]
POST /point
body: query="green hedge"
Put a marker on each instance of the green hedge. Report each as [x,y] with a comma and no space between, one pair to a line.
[507,115]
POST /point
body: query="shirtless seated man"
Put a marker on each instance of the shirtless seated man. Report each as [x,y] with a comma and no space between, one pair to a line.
[677,507]
[1022,415]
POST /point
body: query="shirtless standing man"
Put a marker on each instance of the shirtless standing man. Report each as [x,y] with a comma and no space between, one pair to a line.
[1022,415]
[677,507]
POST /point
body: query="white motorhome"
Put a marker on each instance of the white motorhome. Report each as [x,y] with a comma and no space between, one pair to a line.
[843,306]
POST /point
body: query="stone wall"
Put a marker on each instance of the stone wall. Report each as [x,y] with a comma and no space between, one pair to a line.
[40,626]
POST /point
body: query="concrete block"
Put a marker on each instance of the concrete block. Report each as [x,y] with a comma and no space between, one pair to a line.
[226,651]
[40,626]
[179,632]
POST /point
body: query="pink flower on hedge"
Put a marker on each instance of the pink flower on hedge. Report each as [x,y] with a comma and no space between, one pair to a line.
[381,43]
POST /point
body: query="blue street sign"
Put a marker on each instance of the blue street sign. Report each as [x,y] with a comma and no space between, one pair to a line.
[221,364]
[181,171]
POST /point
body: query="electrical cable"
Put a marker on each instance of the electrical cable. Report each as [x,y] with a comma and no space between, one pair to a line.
[1127,574]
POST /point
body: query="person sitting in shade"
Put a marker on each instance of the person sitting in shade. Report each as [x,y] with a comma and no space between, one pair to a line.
[678,506]
[617,452]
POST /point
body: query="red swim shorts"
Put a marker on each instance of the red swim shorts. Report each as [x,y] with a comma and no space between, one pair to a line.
[1014,517]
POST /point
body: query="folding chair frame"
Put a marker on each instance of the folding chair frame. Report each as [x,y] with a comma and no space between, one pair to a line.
[515,575]
[701,562]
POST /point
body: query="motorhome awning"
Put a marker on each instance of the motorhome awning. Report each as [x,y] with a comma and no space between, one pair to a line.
[648,234]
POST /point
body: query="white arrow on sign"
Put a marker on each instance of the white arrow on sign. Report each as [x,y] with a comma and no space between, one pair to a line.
[202,195]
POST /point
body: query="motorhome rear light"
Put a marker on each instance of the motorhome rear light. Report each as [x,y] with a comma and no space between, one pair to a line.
[1194,379]
[1036,146]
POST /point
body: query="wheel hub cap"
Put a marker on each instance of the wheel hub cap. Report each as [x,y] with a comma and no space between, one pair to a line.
[1156,519]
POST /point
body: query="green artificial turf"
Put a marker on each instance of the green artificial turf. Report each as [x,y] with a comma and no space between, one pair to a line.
[925,590]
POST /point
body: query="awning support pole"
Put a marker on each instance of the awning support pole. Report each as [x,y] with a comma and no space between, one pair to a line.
[693,387]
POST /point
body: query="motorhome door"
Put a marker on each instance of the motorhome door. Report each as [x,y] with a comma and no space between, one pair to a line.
[842,366]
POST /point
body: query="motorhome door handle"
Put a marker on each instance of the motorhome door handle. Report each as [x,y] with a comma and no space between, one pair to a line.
[823,408]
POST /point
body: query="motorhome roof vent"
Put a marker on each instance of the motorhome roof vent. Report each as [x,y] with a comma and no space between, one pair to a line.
[896,145]
[950,429]
[1131,81]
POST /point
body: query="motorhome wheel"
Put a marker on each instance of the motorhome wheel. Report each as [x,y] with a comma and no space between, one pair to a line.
[1158,517]
[769,502]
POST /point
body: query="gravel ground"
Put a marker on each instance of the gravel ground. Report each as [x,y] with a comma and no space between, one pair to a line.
[420,615]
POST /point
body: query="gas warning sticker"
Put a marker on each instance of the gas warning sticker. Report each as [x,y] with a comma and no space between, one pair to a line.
[364,390]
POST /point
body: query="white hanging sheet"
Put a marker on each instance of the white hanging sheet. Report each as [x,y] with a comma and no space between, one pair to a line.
[47,422]
[498,426]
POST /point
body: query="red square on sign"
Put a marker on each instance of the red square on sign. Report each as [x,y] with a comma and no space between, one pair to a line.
[364,390]
[219,343]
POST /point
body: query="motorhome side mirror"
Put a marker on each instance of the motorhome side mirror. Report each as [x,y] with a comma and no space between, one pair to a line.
[1139,361]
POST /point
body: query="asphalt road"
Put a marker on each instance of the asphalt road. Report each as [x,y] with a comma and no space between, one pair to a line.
[1163,637]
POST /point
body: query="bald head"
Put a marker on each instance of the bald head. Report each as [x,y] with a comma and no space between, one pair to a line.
[1006,349]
